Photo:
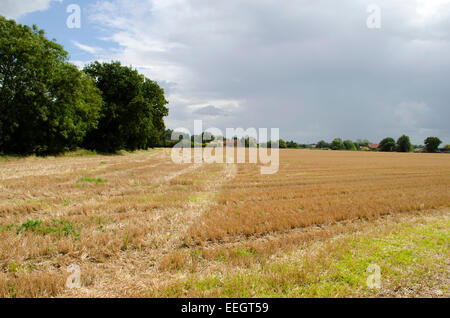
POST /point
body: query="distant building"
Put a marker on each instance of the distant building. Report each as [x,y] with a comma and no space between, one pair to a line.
[226,143]
[233,143]
[373,146]
[216,143]
[419,149]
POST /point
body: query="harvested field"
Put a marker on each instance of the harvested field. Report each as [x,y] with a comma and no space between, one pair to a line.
[139,225]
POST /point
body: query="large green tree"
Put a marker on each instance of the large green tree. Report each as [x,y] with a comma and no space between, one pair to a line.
[349,145]
[322,144]
[387,144]
[46,104]
[133,111]
[282,144]
[337,144]
[432,144]
[404,144]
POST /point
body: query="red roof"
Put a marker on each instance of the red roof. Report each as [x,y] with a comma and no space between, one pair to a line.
[231,143]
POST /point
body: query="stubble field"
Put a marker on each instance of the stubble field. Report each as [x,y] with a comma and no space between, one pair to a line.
[139,225]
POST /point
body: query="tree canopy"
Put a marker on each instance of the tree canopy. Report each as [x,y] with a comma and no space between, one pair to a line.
[132,116]
[387,144]
[349,145]
[432,144]
[282,144]
[322,144]
[337,144]
[404,144]
[47,104]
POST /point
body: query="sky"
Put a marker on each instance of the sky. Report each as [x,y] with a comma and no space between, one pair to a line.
[313,69]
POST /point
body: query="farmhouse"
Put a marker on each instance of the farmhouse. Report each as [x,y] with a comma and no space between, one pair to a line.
[226,143]
[233,143]
[216,143]
[373,146]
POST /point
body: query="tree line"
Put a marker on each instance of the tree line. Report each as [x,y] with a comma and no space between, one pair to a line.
[403,143]
[49,106]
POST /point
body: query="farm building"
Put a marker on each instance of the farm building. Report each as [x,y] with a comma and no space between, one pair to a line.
[226,143]
[233,143]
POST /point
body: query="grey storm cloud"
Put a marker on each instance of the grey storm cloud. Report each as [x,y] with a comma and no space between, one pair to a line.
[311,68]
[210,110]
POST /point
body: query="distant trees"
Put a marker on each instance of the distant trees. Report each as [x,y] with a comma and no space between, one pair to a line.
[337,144]
[292,144]
[349,145]
[387,144]
[208,137]
[322,144]
[282,144]
[404,144]
[250,142]
[432,144]
[47,105]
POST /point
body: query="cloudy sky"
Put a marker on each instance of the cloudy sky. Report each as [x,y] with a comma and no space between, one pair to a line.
[311,68]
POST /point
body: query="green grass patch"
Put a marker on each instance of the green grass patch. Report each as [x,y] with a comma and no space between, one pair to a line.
[202,197]
[409,257]
[93,180]
[80,153]
[15,268]
[60,227]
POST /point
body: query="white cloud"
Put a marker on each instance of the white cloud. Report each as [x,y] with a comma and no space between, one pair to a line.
[432,9]
[14,9]
[87,48]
